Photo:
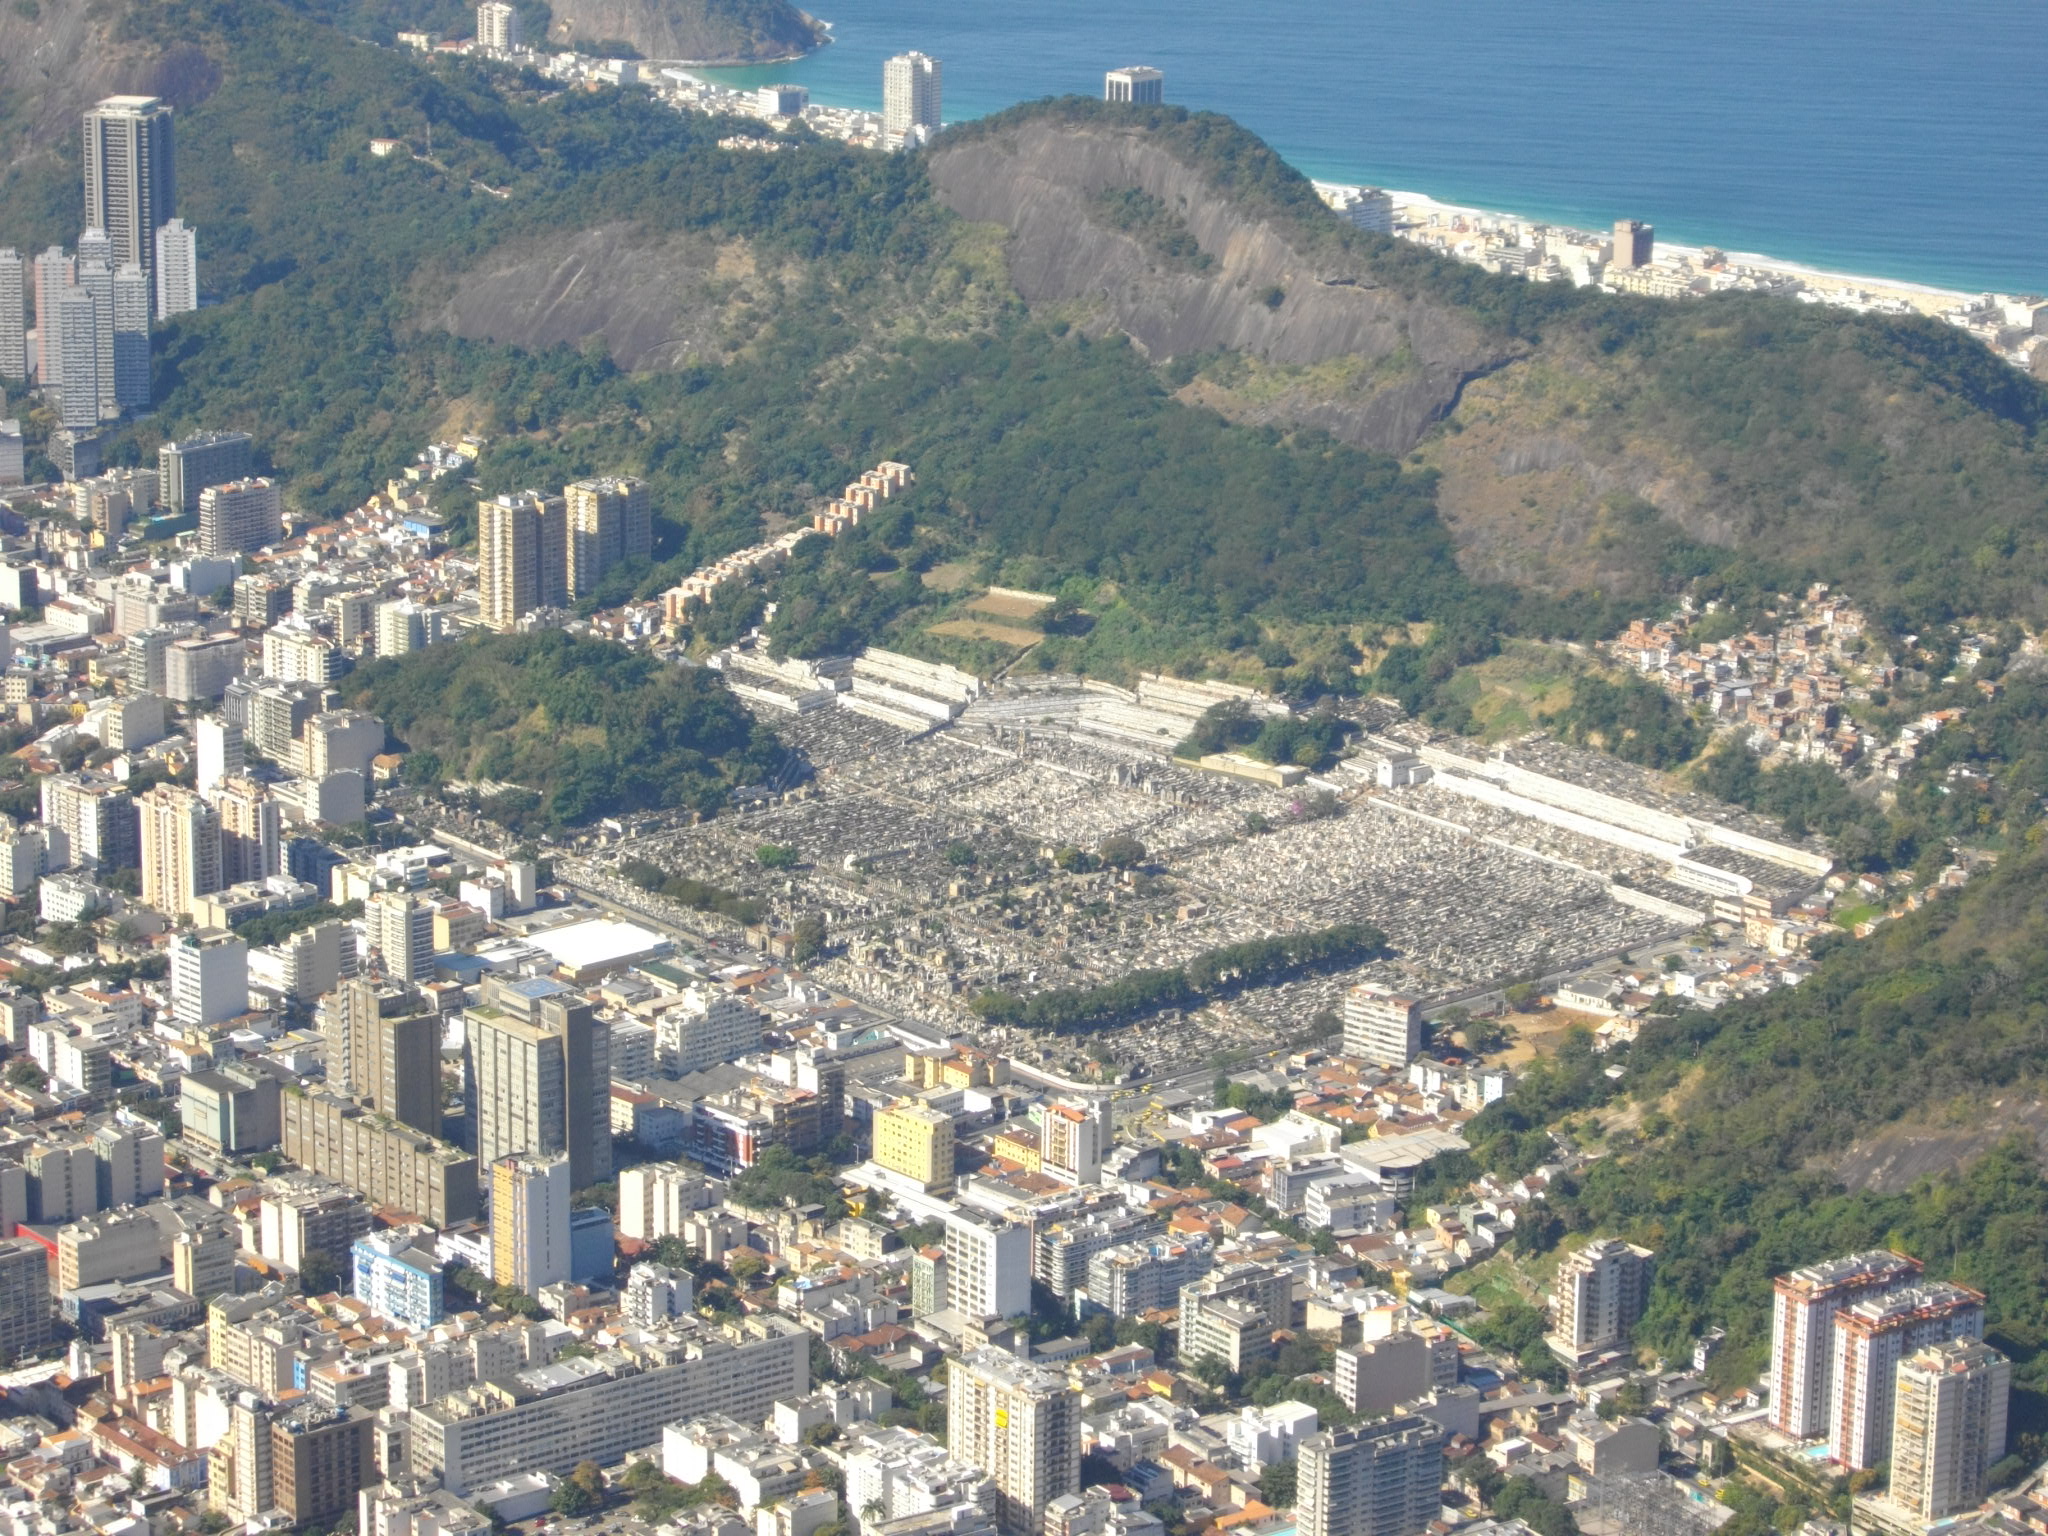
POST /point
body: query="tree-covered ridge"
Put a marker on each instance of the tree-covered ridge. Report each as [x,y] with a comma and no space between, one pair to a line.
[1748,1111]
[324,255]
[593,729]
[1071,453]
[1060,459]
[1892,453]
[1033,444]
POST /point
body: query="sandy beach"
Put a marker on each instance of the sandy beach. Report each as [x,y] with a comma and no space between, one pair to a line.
[1921,296]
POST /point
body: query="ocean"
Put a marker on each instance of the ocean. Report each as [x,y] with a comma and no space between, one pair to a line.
[1891,138]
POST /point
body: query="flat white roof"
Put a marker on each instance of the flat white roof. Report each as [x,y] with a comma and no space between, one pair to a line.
[597,941]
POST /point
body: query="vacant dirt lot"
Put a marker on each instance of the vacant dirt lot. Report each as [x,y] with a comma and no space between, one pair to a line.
[979,629]
[1009,606]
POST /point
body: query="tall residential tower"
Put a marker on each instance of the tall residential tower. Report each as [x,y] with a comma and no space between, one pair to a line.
[1138,84]
[1948,1427]
[15,284]
[540,1085]
[1381,1479]
[1020,1423]
[177,270]
[131,185]
[608,522]
[910,99]
[1803,1331]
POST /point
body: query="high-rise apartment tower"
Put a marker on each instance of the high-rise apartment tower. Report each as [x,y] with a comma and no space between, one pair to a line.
[1138,84]
[131,186]
[1021,1424]
[498,26]
[1948,1427]
[911,99]
[1635,244]
[1803,1331]
[15,283]
[1381,1479]
[177,270]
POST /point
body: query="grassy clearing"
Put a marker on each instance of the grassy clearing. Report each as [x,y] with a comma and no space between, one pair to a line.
[1520,689]
[981,629]
[949,577]
[1009,606]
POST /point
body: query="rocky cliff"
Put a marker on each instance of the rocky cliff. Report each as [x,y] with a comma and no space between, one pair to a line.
[697,31]
[1341,352]
[57,57]
[652,301]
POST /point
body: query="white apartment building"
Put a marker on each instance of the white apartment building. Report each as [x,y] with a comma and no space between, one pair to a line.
[180,849]
[177,270]
[498,26]
[209,977]
[1871,1338]
[1949,1426]
[1601,1292]
[599,1408]
[656,1294]
[988,1265]
[656,1199]
[1070,1143]
[911,99]
[295,652]
[1264,1437]
[706,1026]
[1021,1424]
[894,1473]
[1136,1277]
[1381,1027]
[1383,1479]
[239,516]
[1803,1331]
[400,929]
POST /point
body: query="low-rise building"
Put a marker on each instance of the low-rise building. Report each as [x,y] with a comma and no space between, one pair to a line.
[398,1276]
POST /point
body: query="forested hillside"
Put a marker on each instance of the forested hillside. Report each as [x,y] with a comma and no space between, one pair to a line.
[1897,455]
[838,312]
[580,728]
[1197,509]
[1939,1022]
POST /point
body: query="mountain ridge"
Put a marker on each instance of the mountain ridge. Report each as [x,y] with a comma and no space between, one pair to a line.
[710,32]
[1597,449]
[1897,449]
[1252,291]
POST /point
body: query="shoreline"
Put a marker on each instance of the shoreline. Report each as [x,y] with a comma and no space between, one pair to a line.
[821,32]
[1928,298]
[1922,295]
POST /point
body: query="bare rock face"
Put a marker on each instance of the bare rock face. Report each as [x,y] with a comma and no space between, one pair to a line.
[655,302]
[1255,295]
[698,31]
[58,57]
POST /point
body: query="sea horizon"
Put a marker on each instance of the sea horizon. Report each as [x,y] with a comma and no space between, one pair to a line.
[1502,111]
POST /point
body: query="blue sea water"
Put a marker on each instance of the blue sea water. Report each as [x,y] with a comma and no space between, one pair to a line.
[1895,138]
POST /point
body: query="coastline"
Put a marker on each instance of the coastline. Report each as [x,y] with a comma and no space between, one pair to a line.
[1929,292]
[1926,298]
[821,39]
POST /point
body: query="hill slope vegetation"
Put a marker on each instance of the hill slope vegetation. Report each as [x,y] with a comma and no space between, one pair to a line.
[698,31]
[1598,448]
[579,728]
